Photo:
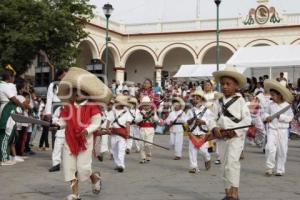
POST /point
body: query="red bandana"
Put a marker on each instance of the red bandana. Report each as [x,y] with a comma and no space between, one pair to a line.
[77,119]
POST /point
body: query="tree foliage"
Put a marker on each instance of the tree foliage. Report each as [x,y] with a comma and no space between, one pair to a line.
[55,27]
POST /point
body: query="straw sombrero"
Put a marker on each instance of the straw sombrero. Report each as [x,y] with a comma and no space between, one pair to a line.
[122,100]
[275,85]
[180,101]
[231,71]
[146,101]
[85,81]
[199,93]
[133,100]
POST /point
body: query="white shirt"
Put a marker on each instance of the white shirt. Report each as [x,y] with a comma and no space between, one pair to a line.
[210,98]
[136,115]
[55,118]
[238,109]
[51,98]
[284,119]
[208,118]
[123,119]
[7,91]
[174,115]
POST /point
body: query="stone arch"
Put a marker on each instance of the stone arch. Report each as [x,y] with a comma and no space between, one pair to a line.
[89,51]
[226,51]
[261,42]
[139,65]
[173,46]
[114,53]
[297,41]
[135,48]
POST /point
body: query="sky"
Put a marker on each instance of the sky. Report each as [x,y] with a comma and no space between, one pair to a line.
[141,11]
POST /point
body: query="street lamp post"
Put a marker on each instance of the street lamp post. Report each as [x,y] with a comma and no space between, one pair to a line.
[107,9]
[217,2]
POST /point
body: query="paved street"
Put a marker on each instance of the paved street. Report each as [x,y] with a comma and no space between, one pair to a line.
[162,179]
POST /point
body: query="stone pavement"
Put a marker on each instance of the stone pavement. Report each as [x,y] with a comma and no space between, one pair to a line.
[161,179]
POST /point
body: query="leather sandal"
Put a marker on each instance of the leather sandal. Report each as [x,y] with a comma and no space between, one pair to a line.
[96,187]
[72,197]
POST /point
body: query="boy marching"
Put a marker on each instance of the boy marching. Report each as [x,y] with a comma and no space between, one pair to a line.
[200,120]
[176,120]
[232,112]
[134,129]
[81,117]
[278,117]
[118,126]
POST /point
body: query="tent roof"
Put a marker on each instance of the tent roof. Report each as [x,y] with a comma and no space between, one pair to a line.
[202,70]
[188,71]
[266,56]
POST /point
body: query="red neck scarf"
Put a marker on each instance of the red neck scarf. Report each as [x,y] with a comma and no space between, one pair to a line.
[78,118]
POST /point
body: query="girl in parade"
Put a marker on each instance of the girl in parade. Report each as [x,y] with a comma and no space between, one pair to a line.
[148,118]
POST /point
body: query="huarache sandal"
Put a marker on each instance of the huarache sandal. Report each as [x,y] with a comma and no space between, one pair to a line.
[96,187]
[72,197]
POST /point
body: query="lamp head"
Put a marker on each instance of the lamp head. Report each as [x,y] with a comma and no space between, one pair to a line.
[217,2]
[107,9]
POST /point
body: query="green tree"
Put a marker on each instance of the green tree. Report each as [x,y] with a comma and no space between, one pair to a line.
[54,27]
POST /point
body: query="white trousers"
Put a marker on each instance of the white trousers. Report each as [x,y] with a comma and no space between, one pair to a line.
[57,150]
[82,163]
[135,132]
[276,149]
[193,152]
[230,152]
[118,147]
[104,144]
[218,149]
[176,142]
[148,135]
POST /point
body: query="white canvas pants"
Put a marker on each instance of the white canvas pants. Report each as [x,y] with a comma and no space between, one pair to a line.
[230,152]
[148,135]
[135,132]
[276,149]
[57,150]
[193,152]
[118,147]
[176,142]
[82,163]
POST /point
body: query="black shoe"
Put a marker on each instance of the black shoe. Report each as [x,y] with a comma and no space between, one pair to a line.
[121,169]
[100,158]
[127,151]
[55,168]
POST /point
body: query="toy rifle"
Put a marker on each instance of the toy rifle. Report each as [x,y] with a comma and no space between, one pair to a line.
[23,119]
[277,114]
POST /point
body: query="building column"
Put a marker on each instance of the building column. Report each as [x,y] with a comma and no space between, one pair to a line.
[158,70]
[120,74]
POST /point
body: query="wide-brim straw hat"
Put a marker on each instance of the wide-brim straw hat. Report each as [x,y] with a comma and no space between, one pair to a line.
[146,101]
[218,95]
[275,85]
[122,100]
[232,72]
[180,101]
[84,81]
[199,93]
[133,100]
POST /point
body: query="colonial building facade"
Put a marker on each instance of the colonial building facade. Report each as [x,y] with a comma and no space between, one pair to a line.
[156,50]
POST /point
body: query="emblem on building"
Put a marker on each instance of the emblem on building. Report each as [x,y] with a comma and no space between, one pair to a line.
[262,15]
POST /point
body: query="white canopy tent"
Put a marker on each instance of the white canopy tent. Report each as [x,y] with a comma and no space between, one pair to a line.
[194,72]
[272,57]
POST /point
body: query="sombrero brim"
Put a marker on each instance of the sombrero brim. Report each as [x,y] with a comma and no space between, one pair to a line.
[275,85]
[199,95]
[85,81]
[122,103]
[180,101]
[240,78]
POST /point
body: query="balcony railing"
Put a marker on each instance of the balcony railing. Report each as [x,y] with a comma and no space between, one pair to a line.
[191,25]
